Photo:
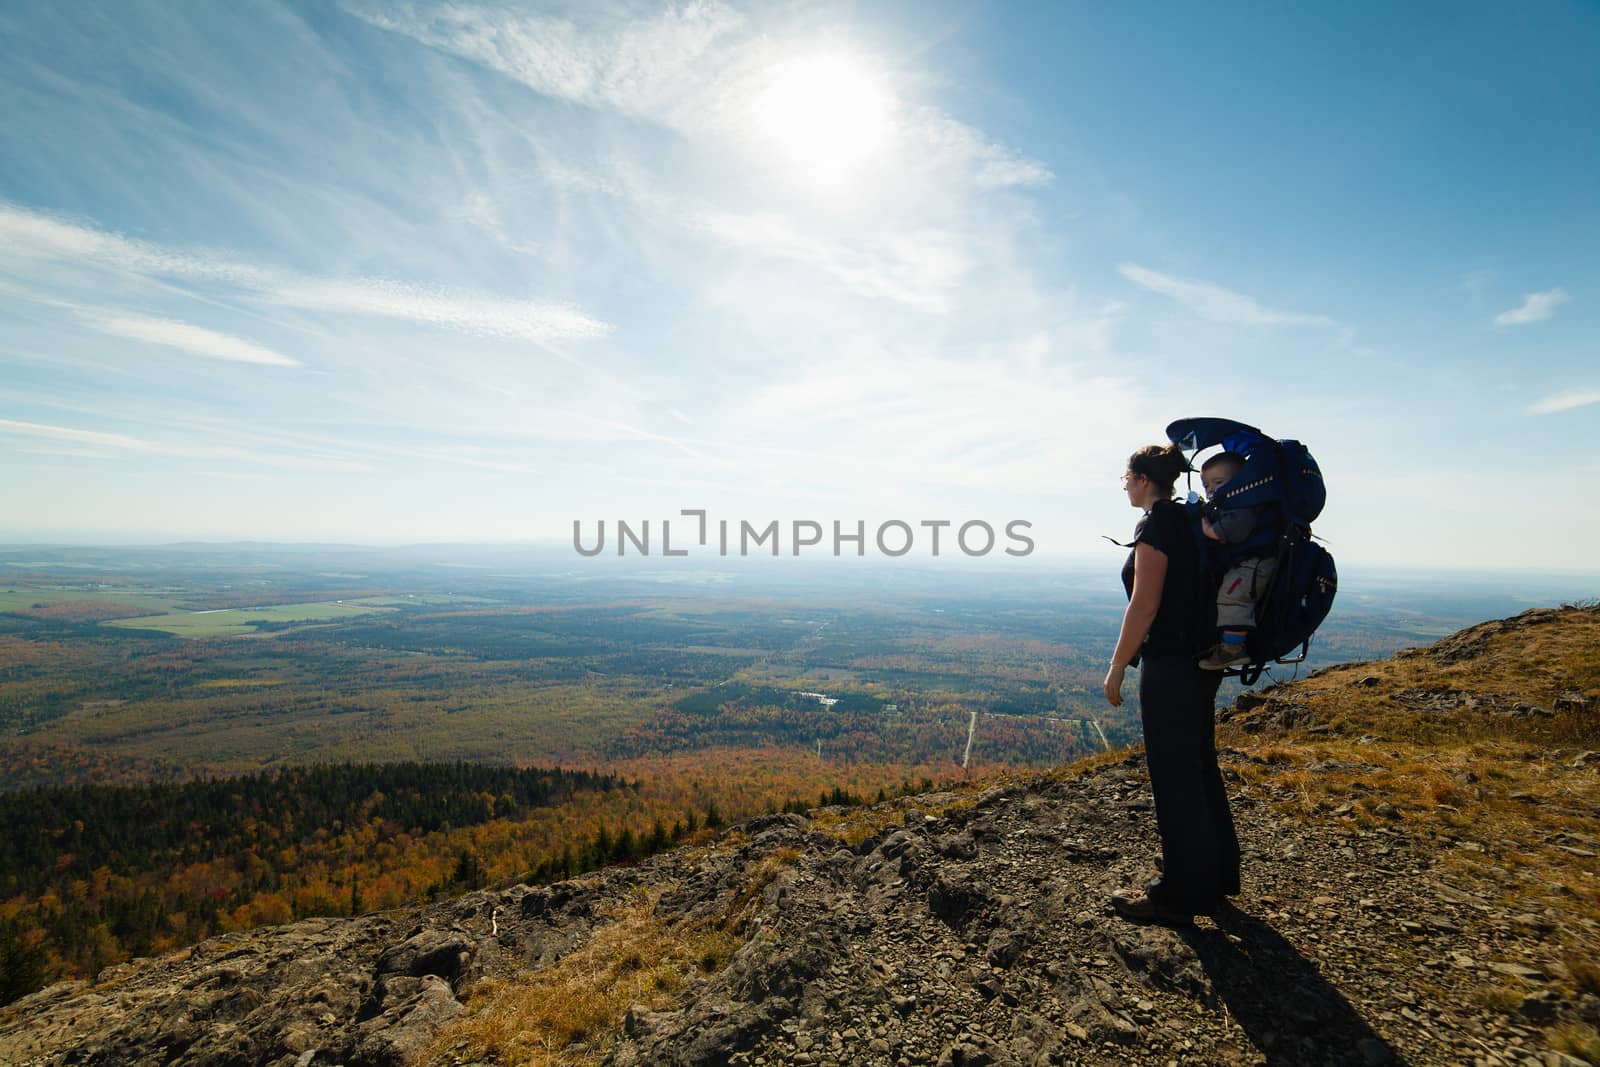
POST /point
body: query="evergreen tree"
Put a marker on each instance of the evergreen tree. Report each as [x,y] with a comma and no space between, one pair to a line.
[21,965]
[468,871]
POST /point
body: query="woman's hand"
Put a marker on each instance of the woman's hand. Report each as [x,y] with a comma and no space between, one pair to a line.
[1114,685]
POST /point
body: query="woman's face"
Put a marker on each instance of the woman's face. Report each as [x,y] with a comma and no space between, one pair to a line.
[1139,489]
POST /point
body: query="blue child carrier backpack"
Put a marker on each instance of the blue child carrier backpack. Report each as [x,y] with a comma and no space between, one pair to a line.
[1283,477]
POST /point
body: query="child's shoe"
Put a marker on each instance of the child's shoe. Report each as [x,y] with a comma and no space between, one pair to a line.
[1223,655]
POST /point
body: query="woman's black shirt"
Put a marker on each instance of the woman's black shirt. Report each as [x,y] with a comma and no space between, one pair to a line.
[1183,626]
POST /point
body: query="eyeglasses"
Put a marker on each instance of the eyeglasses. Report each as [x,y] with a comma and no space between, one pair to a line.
[1128,476]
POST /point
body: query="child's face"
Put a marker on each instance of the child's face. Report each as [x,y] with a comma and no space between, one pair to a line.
[1217,477]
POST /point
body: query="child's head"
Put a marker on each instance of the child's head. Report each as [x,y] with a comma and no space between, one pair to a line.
[1218,470]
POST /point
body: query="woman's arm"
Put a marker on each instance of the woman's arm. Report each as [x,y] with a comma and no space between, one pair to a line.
[1149,575]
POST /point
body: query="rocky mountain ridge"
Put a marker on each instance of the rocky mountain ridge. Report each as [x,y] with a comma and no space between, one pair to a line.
[1405,901]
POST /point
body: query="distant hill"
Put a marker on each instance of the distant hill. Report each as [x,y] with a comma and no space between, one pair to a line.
[1420,887]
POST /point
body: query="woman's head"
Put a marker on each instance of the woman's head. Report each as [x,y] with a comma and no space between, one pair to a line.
[1152,473]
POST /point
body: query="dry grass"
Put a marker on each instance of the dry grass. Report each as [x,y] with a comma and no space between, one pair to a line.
[1585,974]
[1538,665]
[1501,998]
[852,826]
[1505,819]
[1578,1040]
[856,825]
[1494,791]
[572,1012]
[1108,758]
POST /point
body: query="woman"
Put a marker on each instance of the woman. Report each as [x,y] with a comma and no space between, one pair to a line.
[1167,625]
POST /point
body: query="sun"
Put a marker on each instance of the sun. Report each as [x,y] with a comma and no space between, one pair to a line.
[825,113]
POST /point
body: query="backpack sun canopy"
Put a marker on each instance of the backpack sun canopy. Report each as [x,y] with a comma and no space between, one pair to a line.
[1275,472]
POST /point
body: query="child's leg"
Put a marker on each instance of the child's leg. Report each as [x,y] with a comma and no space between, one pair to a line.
[1236,601]
[1235,617]
[1262,570]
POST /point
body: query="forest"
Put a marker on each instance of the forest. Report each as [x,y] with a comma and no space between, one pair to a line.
[93,875]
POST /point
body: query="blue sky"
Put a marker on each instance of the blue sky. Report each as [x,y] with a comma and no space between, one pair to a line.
[467,272]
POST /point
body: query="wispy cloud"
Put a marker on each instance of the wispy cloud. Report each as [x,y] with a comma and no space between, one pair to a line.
[1536,307]
[693,69]
[1000,171]
[196,340]
[874,421]
[125,443]
[996,167]
[69,453]
[28,236]
[1216,303]
[121,442]
[1565,400]
[647,67]
[31,236]
[483,316]
[918,268]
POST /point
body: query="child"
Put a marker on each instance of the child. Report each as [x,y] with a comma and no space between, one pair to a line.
[1247,577]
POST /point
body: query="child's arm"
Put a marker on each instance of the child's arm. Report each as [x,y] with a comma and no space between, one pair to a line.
[1231,525]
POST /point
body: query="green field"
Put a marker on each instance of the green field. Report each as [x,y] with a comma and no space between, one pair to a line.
[424,599]
[25,599]
[232,622]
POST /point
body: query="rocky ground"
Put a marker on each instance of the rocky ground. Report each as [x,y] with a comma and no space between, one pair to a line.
[965,928]
[983,937]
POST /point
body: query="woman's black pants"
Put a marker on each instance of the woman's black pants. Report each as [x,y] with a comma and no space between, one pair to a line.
[1199,848]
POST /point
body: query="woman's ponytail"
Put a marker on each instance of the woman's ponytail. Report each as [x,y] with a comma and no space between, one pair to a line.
[1161,464]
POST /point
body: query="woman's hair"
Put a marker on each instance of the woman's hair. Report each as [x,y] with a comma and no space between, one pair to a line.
[1161,464]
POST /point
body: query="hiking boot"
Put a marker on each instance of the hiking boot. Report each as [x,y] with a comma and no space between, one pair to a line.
[1223,655]
[1140,907]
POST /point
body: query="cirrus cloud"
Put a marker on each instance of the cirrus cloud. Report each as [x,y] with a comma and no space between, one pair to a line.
[29,237]
[196,340]
[1216,303]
